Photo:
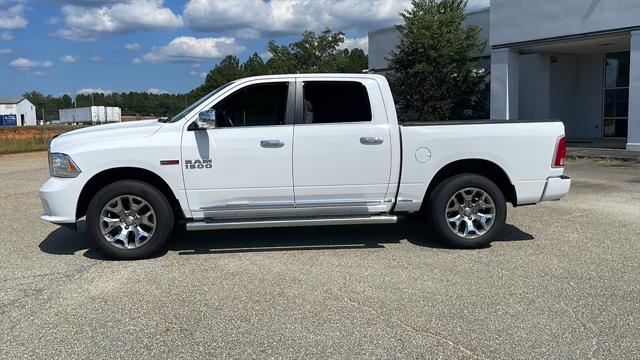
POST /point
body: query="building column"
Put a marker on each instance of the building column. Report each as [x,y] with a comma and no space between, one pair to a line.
[504,83]
[633,132]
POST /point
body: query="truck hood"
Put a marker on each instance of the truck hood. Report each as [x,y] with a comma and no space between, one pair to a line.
[120,131]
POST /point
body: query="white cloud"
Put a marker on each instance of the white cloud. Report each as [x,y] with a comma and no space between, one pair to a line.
[90,19]
[69,59]
[96,58]
[90,2]
[201,74]
[157,91]
[75,34]
[195,65]
[260,18]
[132,47]
[361,43]
[190,49]
[38,73]
[12,16]
[53,20]
[89,91]
[6,51]
[25,64]
[253,18]
[5,35]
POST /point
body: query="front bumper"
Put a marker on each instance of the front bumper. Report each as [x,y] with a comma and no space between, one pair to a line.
[59,197]
[556,188]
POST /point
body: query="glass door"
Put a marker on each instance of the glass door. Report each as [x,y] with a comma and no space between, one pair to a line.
[616,94]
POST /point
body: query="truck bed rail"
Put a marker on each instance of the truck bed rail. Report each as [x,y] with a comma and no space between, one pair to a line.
[471,122]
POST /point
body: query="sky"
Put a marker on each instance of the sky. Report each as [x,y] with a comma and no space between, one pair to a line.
[77,46]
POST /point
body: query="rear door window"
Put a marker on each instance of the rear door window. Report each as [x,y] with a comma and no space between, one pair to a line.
[326,102]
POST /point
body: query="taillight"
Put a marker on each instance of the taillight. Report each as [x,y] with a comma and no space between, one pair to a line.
[561,153]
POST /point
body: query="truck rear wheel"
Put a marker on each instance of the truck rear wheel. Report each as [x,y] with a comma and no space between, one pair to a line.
[467,211]
[129,220]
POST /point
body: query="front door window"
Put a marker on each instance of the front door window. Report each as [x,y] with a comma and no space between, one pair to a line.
[616,94]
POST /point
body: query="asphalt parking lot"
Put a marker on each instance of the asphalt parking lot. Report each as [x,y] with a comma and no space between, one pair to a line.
[562,282]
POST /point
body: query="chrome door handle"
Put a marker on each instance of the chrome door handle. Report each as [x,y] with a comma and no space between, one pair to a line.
[271,143]
[371,140]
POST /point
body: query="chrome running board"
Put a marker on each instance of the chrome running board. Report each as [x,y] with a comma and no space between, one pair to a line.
[290,222]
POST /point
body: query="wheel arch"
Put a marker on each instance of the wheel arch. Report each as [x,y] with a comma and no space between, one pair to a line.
[112,175]
[482,167]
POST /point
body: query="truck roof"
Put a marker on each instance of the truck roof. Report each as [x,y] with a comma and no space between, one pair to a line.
[315,75]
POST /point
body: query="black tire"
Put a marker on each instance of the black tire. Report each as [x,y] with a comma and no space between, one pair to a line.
[164,219]
[437,206]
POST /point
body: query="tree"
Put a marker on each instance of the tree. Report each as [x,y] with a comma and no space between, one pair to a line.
[227,70]
[65,102]
[434,73]
[352,61]
[317,53]
[254,66]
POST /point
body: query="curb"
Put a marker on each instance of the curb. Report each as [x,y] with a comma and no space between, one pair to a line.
[632,157]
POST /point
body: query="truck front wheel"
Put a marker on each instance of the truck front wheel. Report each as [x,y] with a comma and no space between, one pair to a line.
[467,211]
[129,219]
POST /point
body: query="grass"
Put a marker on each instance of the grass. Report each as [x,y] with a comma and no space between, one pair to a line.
[20,146]
[19,139]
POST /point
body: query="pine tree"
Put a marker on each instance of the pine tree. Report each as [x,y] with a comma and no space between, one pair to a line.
[434,73]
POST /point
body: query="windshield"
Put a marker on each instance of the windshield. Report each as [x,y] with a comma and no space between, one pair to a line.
[184,112]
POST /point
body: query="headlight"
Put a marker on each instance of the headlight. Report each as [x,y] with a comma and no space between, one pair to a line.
[61,165]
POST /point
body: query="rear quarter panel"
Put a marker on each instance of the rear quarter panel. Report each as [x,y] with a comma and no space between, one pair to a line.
[523,150]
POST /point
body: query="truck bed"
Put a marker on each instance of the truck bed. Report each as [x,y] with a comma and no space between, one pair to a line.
[522,149]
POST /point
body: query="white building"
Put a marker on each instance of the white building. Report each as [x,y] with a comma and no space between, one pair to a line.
[573,60]
[22,108]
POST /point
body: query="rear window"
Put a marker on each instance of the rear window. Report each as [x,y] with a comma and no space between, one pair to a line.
[335,102]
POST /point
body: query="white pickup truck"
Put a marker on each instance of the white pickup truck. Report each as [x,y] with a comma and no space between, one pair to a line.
[298,150]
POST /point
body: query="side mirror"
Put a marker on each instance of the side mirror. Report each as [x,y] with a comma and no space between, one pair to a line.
[206,119]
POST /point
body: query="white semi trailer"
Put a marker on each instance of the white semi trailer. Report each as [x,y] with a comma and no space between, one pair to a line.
[102,114]
[113,114]
[90,115]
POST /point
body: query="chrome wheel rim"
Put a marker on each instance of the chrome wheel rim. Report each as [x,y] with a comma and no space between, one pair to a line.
[470,213]
[127,222]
